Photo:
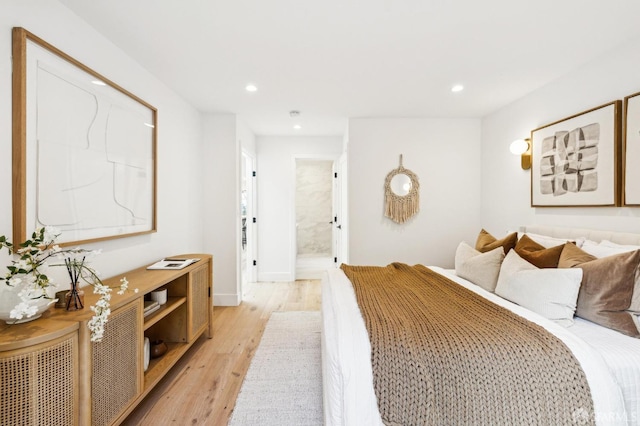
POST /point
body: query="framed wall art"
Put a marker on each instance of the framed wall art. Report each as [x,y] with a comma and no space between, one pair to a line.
[84,149]
[631,177]
[576,161]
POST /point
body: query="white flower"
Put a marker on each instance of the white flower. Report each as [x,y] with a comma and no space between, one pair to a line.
[50,234]
[21,264]
[14,281]
[23,309]
[124,284]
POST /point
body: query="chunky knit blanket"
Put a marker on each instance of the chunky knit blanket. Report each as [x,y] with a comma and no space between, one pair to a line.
[443,355]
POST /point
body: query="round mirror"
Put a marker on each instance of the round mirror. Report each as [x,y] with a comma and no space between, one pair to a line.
[401,184]
[401,194]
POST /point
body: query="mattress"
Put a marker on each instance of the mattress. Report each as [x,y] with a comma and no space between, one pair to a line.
[349,397]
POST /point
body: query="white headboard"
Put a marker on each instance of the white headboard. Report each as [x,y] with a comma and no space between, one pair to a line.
[590,234]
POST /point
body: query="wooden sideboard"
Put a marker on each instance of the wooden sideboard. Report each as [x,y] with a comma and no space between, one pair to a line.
[52,374]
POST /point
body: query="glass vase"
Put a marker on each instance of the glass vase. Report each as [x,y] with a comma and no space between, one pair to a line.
[74,299]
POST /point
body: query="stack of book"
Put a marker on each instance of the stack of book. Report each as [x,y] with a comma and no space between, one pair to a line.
[150,306]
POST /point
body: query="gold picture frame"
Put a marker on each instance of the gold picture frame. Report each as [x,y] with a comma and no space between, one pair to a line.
[631,151]
[84,149]
[576,161]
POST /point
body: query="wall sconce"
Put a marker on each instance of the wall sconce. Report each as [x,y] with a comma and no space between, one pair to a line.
[522,147]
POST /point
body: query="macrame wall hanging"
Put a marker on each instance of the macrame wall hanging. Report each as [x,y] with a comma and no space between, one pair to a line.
[401,194]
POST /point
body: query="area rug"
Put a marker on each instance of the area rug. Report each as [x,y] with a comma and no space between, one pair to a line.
[283,385]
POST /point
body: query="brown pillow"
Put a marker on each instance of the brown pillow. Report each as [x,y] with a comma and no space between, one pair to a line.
[573,256]
[607,288]
[487,242]
[538,254]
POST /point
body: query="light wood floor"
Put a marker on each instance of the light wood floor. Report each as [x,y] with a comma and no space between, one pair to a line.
[202,387]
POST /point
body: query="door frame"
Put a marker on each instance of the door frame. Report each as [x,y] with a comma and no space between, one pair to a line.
[293,246]
[340,210]
[249,162]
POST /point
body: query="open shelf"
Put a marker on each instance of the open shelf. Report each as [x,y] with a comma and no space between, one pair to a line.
[159,366]
[172,304]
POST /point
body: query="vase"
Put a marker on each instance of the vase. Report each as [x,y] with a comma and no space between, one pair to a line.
[158,348]
[9,299]
[74,299]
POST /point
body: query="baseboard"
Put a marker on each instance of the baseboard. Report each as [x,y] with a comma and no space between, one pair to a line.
[226,299]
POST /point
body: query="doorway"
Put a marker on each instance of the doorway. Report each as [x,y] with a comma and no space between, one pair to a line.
[314,217]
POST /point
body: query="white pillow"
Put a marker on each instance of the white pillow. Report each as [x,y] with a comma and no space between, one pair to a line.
[481,269]
[601,250]
[552,293]
[608,243]
[549,242]
[588,244]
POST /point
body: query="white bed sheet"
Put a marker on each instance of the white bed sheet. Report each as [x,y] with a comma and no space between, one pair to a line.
[622,355]
[348,394]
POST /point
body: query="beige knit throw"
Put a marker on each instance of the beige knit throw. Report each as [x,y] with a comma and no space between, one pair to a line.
[442,355]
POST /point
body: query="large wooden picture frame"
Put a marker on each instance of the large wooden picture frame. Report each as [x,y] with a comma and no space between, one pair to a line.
[576,161]
[631,149]
[84,149]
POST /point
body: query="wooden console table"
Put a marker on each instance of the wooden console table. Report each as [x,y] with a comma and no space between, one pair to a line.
[52,374]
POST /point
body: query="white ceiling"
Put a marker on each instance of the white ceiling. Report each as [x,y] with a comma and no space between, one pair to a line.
[335,59]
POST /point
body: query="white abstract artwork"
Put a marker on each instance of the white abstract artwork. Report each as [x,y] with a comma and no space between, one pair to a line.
[90,153]
[575,160]
[569,161]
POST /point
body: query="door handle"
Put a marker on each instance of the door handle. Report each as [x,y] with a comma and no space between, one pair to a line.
[339,226]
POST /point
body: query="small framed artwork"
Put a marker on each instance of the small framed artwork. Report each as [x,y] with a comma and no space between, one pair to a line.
[576,161]
[631,149]
[84,149]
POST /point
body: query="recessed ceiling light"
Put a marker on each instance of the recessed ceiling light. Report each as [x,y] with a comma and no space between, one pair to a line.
[99,82]
[297,127]
[457,88]
[251,88]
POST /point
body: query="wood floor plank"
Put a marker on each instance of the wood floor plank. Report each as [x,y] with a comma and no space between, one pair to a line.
[203,386]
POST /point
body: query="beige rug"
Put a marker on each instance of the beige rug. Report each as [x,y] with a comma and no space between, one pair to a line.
[284,383]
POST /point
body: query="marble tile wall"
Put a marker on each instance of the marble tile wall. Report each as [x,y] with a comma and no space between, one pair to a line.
[314,186]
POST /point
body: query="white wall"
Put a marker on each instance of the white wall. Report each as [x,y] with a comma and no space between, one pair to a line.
[444,153]
[221,185]
[276,189]
[179,204]
[506,187]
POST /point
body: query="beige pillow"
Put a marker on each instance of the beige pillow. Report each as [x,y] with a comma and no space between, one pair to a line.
[487,242]
[537,254]
[551,293]
[480,268]
[607,289]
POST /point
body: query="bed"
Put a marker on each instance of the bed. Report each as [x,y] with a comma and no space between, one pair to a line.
[610,360]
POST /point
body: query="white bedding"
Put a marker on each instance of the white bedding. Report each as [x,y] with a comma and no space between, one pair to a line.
[349,397]
[622,355]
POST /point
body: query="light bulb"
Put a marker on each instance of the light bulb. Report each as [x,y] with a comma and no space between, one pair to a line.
[519,147]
